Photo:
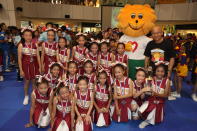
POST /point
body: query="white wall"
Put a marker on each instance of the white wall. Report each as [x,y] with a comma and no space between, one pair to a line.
[176,12]
[7,14]
[46,10]
[165,12]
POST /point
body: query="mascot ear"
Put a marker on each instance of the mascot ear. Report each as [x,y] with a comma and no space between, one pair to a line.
[147,5]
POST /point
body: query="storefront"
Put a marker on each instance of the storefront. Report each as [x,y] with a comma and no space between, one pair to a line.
[70,24]
[185,29]
[90,27]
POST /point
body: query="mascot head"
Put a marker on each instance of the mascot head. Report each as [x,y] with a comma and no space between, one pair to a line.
[136,20]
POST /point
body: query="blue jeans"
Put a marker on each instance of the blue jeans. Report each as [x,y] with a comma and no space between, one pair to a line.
[6,58]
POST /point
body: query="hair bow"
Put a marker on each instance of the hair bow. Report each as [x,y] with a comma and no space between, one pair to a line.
[161,62]
[27,28]
[40,77]
[51,29]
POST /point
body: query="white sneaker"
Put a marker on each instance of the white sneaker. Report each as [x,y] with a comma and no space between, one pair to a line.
[194,97]
[26,100]
[143,124]
[171,98]
[177,95]
[174,92]
[7,70]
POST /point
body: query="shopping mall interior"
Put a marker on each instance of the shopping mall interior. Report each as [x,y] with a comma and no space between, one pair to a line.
[168,106]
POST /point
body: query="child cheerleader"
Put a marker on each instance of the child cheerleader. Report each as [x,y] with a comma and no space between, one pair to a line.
[112,45]
[120,56]
[63,110]
[28,60]
[79,52]
[152,110]
[89,72]
[63,55]
[181,71]
[102,101]
[84,103]
[41,98]
[54,75]
[49,51]
[105,58]
[122,95]
[93,54]
[70,79]
[138,92]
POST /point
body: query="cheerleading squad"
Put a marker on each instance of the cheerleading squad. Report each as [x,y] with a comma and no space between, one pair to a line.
[72,89]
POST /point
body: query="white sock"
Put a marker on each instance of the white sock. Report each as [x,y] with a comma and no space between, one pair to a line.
[26,100]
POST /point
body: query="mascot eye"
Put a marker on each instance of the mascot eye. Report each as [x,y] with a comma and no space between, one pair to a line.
[132,16]
[140,16]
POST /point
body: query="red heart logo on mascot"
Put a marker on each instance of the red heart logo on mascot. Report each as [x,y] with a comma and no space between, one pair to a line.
[133,45]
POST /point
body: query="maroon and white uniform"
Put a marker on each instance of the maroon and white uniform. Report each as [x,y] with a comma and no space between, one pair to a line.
[71,81]
[63,56]
[50,54]
[79,57]
[102,96]
[152,109]
[121,58]
[83,104]
[122,88]
[93,58]
[41,116]
[137,101]
[63,116]
[92,79]
[106,61]
[29,61]
[53,81]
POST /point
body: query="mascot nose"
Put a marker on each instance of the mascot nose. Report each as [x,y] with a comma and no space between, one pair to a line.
[136,21]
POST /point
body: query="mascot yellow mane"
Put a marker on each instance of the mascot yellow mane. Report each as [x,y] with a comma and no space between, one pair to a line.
[136,20]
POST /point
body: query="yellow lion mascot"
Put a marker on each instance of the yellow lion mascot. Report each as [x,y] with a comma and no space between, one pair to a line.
[135,21]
